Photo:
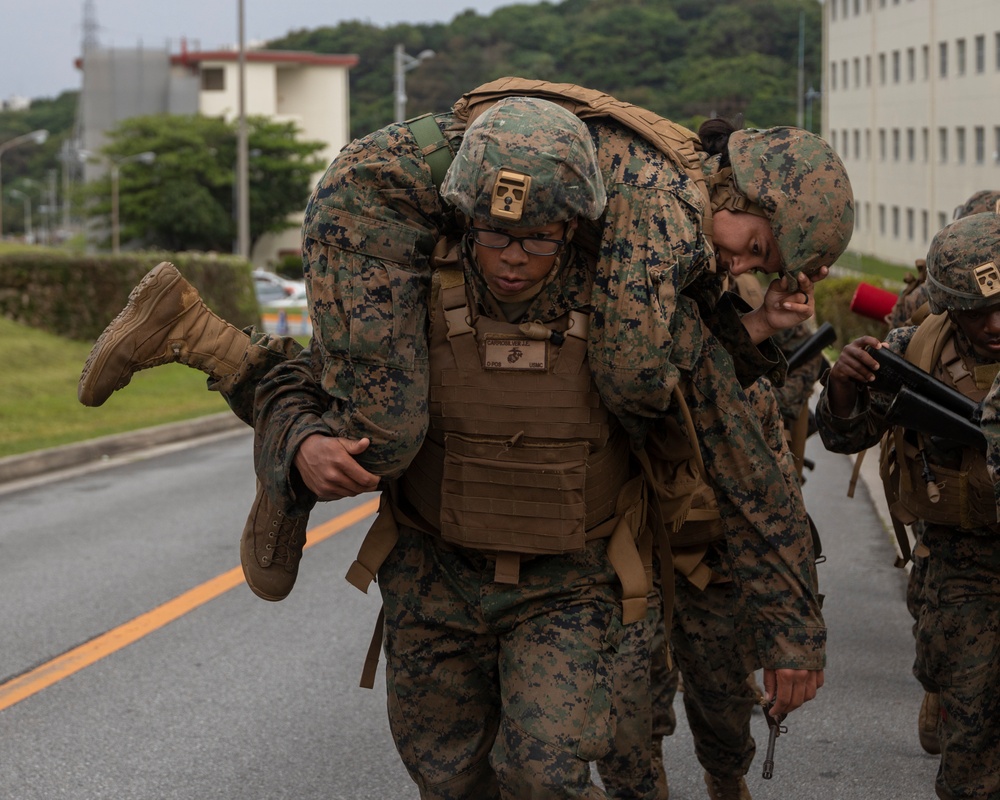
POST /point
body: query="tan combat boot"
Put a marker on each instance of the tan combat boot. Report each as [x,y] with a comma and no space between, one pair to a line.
[928,722]
[164,321]
[727,788]
[270,548]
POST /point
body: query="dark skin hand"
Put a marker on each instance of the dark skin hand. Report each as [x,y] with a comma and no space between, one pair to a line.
[853,368]
[328,467]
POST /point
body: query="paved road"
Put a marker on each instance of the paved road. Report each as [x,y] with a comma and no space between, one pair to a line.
[240,698]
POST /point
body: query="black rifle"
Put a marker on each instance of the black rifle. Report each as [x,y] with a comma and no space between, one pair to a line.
[825,336]
[924,404]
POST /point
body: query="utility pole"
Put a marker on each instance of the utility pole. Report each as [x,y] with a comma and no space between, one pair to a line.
[800,116]
[242,154]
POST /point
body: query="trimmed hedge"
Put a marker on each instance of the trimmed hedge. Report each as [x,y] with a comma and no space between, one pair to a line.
[76,296]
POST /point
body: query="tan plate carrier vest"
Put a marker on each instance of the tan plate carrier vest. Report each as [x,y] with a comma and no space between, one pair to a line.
[960,497]
[520,459]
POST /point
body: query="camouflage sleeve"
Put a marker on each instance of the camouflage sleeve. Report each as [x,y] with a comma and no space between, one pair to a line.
[751,361]
[990,423]
[866,424]
[290,406]
[768,538]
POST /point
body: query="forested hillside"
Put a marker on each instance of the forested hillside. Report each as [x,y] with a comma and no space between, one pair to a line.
[685,59]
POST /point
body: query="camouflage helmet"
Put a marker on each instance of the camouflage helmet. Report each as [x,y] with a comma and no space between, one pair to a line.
[963,264]
[802,187]
[986,200]
[523,163]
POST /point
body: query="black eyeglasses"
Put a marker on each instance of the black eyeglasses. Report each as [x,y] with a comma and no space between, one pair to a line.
[530,244]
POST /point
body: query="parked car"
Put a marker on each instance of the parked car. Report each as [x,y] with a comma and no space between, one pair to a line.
[283,307]
[271,287]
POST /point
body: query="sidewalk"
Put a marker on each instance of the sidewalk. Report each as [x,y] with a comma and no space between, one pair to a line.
[94,451]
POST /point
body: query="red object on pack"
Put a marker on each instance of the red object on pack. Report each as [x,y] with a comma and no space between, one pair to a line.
[872,302]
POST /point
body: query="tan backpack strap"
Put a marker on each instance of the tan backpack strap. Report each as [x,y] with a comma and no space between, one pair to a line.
[458,317]
[798,435]
[855,473]
[378,543]
[508,568]
[573,350]
[924,349]
[902,537]
[623,552]
[374,649]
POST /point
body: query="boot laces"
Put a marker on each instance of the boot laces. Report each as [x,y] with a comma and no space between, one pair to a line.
[283,547]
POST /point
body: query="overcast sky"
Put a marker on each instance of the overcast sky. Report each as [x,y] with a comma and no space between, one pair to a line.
[40,39]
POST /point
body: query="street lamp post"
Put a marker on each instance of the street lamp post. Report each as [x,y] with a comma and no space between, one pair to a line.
[811,94]
[26,200]
[147,157]
[403,63]
[38,137]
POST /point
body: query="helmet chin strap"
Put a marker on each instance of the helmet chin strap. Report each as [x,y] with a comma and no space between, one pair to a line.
[725,196]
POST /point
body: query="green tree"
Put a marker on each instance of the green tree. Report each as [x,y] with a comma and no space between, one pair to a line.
[185,199]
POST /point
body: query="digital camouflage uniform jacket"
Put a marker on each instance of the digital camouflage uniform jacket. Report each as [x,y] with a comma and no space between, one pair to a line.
[658,322]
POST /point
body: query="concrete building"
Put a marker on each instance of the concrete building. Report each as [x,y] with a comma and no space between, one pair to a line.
[308,89]
[911,102]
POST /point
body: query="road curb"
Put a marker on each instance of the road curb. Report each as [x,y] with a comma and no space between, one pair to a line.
[39,462]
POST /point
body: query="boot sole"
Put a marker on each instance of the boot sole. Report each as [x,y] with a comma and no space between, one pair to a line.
[159,279]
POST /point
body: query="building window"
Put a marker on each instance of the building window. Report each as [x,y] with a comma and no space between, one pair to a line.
[925,61]
[911,64]
[911,144]
[996,144]
[942,219]
[833,11]
[844,8]
[833,140]
[847,143]
[960,56]
[857,7]
[868,215]
[980,144]
[881,69]
[910,226]
[844,77]
[895,144]
[881,219]
[868,70]
[924,225]
[213,79]
[857,144]
[960,145]
[925,144]
[943,59]
[857,73]
[833,76]
[980,54]
[868,143]
[943,145]
[895,66]
[881,144]
[895,222]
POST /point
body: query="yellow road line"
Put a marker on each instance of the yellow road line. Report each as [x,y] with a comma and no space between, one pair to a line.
[72,661]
